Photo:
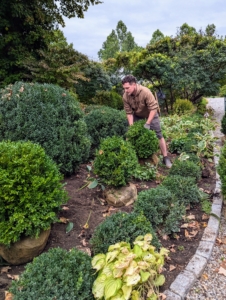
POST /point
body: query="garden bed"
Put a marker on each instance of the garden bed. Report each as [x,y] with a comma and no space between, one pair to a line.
[87,208]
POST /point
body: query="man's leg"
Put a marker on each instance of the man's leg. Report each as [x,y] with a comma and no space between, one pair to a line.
[162,145]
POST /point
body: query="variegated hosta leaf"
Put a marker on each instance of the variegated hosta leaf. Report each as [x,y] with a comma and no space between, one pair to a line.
[135,295]
[98,286]
[110,256]
[144,276]
[114,247]
[118,296]
[137,250]
[112,286]
[150,258]
[98,261]
[124,263]
[131,269]
[143,265]
[125,250]
[159,280]
[148,238]
[164,252]
[127,290]
[132,279]
[117,273]
[108,270]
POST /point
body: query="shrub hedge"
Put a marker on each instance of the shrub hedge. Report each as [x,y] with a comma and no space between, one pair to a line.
[48,115]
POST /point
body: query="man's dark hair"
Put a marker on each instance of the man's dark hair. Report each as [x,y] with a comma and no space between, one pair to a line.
[129,79]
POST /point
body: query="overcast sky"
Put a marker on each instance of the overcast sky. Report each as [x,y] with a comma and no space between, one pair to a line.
[142,18]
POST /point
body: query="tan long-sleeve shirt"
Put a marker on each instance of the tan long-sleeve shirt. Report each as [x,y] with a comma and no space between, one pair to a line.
[141,103]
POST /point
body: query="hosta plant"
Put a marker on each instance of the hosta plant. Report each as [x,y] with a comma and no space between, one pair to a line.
[143,140]
[115,161]
[129,273]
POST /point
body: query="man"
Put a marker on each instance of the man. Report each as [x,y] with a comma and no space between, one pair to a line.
[139,103]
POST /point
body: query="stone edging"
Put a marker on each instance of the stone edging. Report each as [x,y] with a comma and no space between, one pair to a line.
[194,269]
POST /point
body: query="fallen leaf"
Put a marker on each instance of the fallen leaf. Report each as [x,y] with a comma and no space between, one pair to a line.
[204,286]
[69,227]
[194,224]
[86,226]
[63,220]
[172,267]
[193,233]
[185,225]
[222,271]
[190,217]
[218,241]
[162,296]
[223,264]
[205,217]
[5,269]
[165,237]
[176,236]
[14,277]
[21,89]
[101,152]
[8,296]
[224,240]
[84,243]
[204,224]
[65,208]
[81,233]
[204,276]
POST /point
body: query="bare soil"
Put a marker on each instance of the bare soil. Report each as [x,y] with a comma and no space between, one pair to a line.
[88,206]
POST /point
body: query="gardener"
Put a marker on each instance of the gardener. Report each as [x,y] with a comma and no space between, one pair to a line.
[139,103]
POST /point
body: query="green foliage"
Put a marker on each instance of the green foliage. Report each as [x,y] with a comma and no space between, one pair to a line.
[26,28]
[206,203]
[125,273]
[119,227]
[108,98]
[185,168]
[223,91]
[177,145]
[184,188]
[98,80]
[56,274]
[119,40]
[31,192]
[145,172]
[48,115]
[144,141]
[105,122]
[223,124]
[221,168]
[115,161]
[161,208]
[89,108]
[183,106]
[201,106]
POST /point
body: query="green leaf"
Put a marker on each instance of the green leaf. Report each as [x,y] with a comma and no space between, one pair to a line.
[98,261]
[144,276]
[112,286]
[89,168]
[93,184]
[127,290]
[69,227]
[159,280]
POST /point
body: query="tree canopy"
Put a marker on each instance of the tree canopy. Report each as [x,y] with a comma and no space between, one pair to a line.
[26,26]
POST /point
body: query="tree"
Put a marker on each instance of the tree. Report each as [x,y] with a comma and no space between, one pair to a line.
[59,64]
[210,29]
[120,40]
[26,26]
[185,29]
[156,36]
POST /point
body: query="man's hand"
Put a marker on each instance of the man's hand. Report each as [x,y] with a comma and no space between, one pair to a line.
[147,126]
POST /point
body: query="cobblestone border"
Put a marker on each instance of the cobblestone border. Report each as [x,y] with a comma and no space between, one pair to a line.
[194,269]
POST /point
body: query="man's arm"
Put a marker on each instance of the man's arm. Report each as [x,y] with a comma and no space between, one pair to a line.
[130,119]
[151,116]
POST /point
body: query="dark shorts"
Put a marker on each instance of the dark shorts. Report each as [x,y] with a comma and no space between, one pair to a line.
[155,124]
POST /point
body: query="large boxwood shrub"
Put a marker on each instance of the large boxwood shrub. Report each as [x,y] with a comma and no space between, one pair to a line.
[31,191]
[161,208]
[143,140]
[115,161]
[119,227]
[105,122]
[48,115]
[57,274]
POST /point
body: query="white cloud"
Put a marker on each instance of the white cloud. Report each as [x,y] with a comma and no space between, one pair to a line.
[142,18]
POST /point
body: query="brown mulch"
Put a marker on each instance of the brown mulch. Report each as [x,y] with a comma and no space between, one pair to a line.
[88,206]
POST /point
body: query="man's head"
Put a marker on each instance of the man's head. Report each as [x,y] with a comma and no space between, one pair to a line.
[129,84]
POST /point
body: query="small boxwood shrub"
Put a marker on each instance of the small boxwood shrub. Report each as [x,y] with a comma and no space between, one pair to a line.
[119,227]
[108,98]
[223,124]
[221,168]
[185,168]
[48,115]
[115,161]
[184,188]
[182,106]
[31,191]
[144,141]
[161,208]
[57,274]
[105,122]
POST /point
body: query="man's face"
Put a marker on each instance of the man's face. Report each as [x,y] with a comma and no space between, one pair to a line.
[129,88]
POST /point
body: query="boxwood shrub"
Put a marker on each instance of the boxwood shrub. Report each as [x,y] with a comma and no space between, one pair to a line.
[31,191]
[57,274]
[183,106]
[115,161]
[161,208]
[221,168]
[119,227]
[143,141]
[48,115]
[105,122]
[223,124]
[108,98]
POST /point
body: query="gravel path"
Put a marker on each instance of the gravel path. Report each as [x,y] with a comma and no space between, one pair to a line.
[212,284]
